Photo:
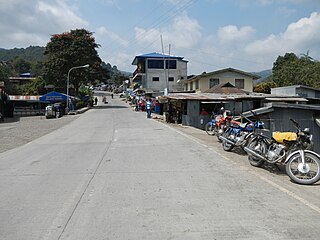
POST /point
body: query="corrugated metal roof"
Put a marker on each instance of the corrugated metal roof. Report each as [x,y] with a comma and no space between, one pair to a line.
[287,99]
[228,97]
[156,55]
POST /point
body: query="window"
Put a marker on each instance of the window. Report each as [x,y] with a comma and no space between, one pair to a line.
[197,84]
[155,64]
[159,64]
[171,64]
[155,79]
[171,79]
[239,83]
[191,86]
[213,82]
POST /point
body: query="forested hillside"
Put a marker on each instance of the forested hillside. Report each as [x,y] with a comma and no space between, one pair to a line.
[32,54]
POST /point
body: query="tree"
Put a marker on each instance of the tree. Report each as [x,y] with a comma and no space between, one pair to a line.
[264,87]
[67,50]
[21,66]
[34,87]
[292,70]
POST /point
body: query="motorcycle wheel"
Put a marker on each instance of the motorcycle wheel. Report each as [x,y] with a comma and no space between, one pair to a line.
[219,132]
[259,147]
[225,145]
[209,129]
[307,176]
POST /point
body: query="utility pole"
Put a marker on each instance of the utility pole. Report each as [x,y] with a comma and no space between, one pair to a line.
[166,90]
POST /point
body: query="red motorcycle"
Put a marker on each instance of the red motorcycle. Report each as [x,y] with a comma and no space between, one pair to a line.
[223,121]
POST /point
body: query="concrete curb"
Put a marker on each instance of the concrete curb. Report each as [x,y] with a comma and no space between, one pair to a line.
[79,111]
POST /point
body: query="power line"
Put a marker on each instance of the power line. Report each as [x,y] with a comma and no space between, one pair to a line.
[161,20]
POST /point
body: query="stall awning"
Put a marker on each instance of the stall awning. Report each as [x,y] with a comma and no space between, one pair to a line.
[53,97]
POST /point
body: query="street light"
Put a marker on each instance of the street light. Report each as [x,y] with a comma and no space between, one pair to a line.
[84,66]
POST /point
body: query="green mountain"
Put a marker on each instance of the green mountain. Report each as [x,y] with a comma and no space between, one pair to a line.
[264,75]
[32,54]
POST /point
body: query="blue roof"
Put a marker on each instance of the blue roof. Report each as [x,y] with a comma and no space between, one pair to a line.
[53,97]
[155,55]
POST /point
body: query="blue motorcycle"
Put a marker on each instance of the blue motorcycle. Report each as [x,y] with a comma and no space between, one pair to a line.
[239,135]
[211,127]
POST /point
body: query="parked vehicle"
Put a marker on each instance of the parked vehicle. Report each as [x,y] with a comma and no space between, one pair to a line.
[54,111]
[239,135]
[50,112]
[211,127]
[294,149]
[223,121]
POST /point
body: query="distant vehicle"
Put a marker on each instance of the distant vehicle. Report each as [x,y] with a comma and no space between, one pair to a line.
[50,112]
[129,92]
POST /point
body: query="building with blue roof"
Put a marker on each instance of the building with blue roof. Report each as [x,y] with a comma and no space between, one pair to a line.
[156,72]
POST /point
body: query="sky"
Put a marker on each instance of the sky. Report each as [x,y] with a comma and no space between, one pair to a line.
[247,35]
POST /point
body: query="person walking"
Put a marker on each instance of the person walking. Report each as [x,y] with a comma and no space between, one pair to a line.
[148,108]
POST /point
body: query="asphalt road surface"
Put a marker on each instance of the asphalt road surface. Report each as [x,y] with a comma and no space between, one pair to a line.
[114,174]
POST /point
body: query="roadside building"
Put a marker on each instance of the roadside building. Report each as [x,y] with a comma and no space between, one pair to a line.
[276,117]
[310,93]
[23,78]
[186,107]
[156,72]
[240,79]
[26,105]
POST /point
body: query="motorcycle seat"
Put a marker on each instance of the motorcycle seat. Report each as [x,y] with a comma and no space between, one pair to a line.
[281,137]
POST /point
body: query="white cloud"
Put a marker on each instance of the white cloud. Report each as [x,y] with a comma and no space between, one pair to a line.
[32,22]
[265,2]
[60,13]
[299,37]
[184,32]
[105,35]
[232,33]
[119,59]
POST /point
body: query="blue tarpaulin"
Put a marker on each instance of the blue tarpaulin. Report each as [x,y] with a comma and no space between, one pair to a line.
[53,97]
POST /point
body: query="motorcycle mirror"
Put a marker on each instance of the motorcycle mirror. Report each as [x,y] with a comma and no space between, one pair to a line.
[306,130]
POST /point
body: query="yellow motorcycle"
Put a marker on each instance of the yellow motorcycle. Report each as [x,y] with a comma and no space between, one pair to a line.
[294,149]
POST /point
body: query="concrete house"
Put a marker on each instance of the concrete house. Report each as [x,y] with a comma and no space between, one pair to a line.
[298,90]
[239,79]
[156,72]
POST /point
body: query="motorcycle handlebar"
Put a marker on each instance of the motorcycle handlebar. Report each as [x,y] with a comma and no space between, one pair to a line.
[246,118]
[295,124]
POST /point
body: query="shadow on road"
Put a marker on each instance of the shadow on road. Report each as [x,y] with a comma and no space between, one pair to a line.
[11,119]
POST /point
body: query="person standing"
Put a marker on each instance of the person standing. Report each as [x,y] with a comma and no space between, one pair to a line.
[148,108]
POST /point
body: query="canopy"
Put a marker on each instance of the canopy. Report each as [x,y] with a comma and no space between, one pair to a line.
[53,97]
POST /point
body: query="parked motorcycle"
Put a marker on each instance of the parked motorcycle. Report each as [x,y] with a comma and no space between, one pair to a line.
[294,149]
[218,124]
[211,127]
[239,135]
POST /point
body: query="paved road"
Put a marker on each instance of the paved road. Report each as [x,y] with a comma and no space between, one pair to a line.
[123,176]
[18,131]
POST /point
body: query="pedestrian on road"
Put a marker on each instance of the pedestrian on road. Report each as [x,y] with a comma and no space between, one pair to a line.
[148,107]
[95,101]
